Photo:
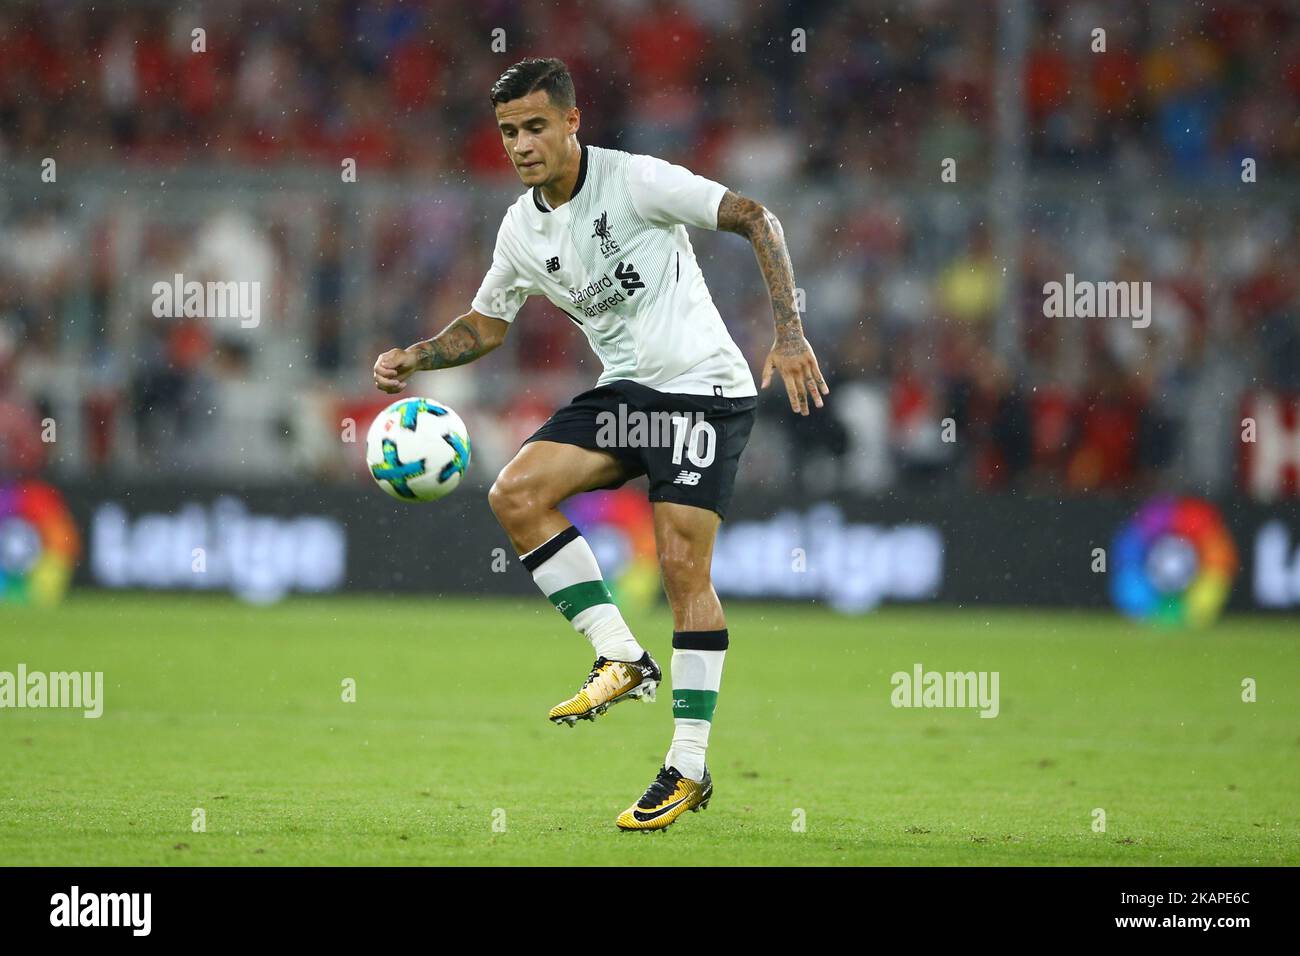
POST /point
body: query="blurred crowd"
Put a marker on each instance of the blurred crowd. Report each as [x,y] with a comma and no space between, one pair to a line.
[843,138]
[820,88]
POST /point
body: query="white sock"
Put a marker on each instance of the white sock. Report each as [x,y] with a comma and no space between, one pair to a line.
[690,741]
[567,573]
[697,676]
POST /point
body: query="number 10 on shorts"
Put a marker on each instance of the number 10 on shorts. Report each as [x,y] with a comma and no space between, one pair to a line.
[687,439]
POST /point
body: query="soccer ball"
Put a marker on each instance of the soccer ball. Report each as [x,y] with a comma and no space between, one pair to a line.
[417,450]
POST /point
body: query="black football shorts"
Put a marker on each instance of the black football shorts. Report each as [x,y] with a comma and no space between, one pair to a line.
[688,446]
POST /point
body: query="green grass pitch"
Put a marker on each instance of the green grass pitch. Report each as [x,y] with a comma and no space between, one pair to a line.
[238,710]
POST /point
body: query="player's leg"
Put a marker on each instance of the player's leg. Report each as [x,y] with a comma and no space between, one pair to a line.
[691,484]
[684,536]
[525,499]
[526,495]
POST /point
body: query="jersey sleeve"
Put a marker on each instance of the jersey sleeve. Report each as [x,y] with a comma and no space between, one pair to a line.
[666,195]
[502,293]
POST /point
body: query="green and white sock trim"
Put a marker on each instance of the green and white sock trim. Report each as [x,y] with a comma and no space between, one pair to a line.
[697,677]
[567,573]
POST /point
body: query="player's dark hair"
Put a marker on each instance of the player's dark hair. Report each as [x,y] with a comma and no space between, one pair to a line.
[532,74]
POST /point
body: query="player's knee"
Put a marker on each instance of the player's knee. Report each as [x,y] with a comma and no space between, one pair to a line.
[510,498]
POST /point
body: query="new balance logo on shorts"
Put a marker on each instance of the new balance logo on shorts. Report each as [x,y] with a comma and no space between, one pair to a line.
[687,478]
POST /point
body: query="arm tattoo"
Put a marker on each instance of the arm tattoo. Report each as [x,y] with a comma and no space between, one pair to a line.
[455,345]
[751,220]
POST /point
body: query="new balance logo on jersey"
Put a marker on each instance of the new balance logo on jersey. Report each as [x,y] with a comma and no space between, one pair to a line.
[608,246]
[626,273]
[553,264]
[687,478]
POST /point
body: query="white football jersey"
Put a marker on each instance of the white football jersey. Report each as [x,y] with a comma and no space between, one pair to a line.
[616,259]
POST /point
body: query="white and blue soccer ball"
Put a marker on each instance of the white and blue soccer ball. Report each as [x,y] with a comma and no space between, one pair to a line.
[417,450]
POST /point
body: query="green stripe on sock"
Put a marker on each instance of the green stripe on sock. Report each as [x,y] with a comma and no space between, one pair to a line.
[576,598]
[694,704]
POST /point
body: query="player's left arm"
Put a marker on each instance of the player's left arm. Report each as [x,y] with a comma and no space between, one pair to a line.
[791,354]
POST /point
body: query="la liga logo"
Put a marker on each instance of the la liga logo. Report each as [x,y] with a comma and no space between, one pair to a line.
[39,544]
[1174,563]
[619,526]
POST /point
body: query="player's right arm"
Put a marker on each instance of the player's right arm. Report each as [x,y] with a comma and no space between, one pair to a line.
[469,337]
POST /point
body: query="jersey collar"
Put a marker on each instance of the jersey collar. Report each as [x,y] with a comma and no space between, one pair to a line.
[577,186]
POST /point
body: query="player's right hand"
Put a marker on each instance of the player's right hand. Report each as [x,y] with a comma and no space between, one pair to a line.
[393,368]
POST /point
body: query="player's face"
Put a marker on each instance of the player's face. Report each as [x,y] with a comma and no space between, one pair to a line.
[535,133]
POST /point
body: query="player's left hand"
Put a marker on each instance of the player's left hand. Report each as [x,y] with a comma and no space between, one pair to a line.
[798,367]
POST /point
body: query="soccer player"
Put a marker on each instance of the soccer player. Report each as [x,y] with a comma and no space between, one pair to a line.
[601,234]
